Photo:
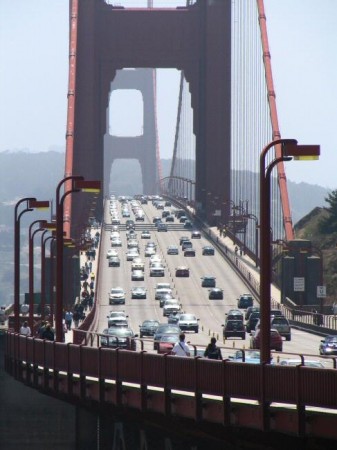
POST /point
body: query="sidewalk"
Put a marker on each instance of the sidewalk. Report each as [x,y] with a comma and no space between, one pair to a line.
[83,260]
[251,272]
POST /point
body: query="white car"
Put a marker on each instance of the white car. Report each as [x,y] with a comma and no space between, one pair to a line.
[117,296]
[131,254]
[117,318]
[116,242]
[170,306]
[137,264]
[149,251]
[162,291]
[188,322]
[157,270]
[111,252]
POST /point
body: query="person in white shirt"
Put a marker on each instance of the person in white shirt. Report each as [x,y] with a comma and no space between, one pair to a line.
[180,348]
[25,329]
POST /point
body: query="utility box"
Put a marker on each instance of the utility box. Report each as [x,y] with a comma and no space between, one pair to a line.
[301,273]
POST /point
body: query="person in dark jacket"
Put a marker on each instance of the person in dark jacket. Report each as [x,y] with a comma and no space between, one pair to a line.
[48,333]
[212,351]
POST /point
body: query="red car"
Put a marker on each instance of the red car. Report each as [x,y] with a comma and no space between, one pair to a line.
[276,342]
[167,342]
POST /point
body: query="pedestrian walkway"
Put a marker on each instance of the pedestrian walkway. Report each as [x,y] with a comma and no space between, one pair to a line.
[88,263]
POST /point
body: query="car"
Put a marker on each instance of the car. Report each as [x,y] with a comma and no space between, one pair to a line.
[174,317]
[160,292]
[137,275]
[251,309]
[172,250]
[245,301]
[116,318]
[189,252]
[137,264]
[167,342]
[234,314]
[157,270]
[114,234]
[116,242]
[182,239]
[307,363]
[138,292]
[118,337]
[247,356]
[114,261]
[131,254]
[195,234]
[208,281]
[164,328]
[328,345]
[130,224]
[171,305]
[117,296]
[149,251]
[282,325]
[111,252]
[276,342]
[148,328]
[208,250]
[156,219]
[188,322]
[151,244]
[161,226]
[163,285]
[215,294]
[252,321]
[145,234]
[139,217]
[131,234]
[182,219]
[276,312]
[188,224]
[182,271]
[168,203]
[186,244]
[165,213]
[133,243]
[234,328]
[164,297]
[169,218]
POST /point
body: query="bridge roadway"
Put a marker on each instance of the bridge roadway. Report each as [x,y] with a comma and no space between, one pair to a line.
[191,295]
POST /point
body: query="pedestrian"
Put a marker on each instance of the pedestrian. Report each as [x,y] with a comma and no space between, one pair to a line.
[212,351]
[92,284]
[76,318]
[48,332]
[68,317]
[92,276]
[180,348]
[236,249]
[85,285]
[90,266]
[41,329]
[25,329]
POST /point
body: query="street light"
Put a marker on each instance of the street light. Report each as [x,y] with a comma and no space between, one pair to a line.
[289,150]
[77,184]
[43,272]
[31,204]
[31,235]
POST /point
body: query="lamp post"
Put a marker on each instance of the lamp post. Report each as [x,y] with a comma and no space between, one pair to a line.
[31,235]
[31,204]
[77,184]
[43,272]
[289,149]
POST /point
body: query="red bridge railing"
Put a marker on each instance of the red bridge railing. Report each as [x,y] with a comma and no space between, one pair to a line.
[278,397]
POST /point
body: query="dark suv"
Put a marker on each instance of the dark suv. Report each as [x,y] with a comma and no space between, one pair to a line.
[252,321]
[245,300]
[234,328]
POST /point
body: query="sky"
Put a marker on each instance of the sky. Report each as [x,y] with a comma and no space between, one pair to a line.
[34,74]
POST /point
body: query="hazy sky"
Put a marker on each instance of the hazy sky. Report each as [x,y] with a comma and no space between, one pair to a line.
[302,37]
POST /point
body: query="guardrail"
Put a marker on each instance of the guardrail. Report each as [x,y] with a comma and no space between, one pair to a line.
[208,390]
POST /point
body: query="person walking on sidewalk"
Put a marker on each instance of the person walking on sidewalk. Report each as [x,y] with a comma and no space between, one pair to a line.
[180,348]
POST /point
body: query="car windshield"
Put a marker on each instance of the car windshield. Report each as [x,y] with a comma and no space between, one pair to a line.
[187,317]
[150,323]
[169,338]
[171,301]
[117,291]
[168,329]
[331,339]
[119,332]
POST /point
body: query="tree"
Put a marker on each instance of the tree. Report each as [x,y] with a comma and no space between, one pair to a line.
[328,224]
